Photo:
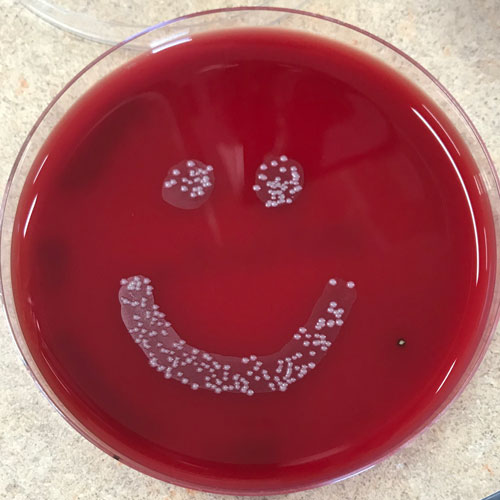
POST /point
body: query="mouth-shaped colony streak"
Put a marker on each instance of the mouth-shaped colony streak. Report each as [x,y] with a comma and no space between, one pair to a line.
[168,353]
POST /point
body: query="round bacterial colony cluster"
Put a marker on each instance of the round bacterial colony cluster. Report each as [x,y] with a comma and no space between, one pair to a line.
[168,353]
[278,181]
[188,184]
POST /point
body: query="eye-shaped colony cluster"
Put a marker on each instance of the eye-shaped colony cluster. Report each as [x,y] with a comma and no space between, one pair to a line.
[188,184]
[278,181]
[169,354]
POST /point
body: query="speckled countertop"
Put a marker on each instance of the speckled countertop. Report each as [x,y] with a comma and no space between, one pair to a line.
[41,457]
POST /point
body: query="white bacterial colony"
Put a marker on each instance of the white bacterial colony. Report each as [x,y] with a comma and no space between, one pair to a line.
[170,355]
[188,184]
[278,181]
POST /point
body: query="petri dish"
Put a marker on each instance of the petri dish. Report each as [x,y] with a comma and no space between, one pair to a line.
[251,251]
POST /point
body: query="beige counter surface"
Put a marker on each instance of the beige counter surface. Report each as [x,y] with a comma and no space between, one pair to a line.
[43,458]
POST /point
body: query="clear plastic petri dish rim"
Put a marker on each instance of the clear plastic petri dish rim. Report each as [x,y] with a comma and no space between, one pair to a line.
[114,21]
